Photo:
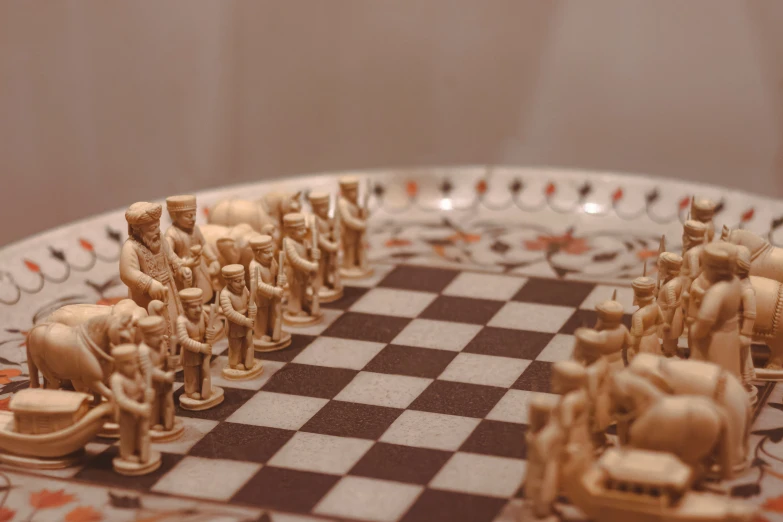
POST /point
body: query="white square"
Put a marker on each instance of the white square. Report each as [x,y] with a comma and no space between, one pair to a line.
[485,286]
[330,316]
[560,348]
[321,453]
[380,389]
[514,406]
[484,369]
[603,293]
[368,499]
[422,429]
[533,317]
[277,410]
[339,353]
[379,272]
[394,302]
[270,368]
[195,429]
[481,475]
[214,479]
[442,335]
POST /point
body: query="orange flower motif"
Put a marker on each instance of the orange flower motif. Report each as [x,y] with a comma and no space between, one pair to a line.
[7,374]
[397,242]
[84,514]
[566,243]
[6,515]
[50,499]
[412,188]
[645,254]
[774,504]
[481,187]
[5,406]
[467,238]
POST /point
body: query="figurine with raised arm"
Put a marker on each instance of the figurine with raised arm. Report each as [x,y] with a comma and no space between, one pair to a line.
[670,301]
[153,360]
[353,220]
[188,245]
[240,311]
[301,269]
[713,317]
[196,333]
[703,210]
[268,279]
[647,319]
[132,401]
[747,318]
[694,236]
[615,336]
[328,277]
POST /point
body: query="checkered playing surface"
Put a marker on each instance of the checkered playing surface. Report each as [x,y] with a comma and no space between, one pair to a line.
[408,403]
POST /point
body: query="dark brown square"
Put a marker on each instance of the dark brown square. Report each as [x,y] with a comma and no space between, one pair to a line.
[99,470]
[407,360]
[366,327]
[501,439]
[309,380]
[298,343]
[505,342]
[287,489]
[229,440]
[586,318]
[349,419]
[401,463]
[233,398]
[537,377]
[422,278]
[434,504]
[351,294]
[458,398]
[554,292]
[461,309]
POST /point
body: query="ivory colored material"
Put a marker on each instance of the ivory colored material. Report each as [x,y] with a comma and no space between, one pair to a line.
[768,325]
[79,354]
[258,214]
[694,236]
[240,312]
[196,332]
[545,438]
[353,221]
[647,319]
[76,314]
[747,318]
[703,211]
[153,362]
[589,349]
[301,266]
[615,337]
[232,246]
[328,280]
[766,260]
[215,397]
[269,282]
[670,301]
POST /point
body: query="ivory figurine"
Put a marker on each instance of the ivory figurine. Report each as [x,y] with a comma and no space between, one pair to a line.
[694,236]
[196,332]
[328,231]
[153,361]
[670,301]
[766,260]
[353,220]
[589,348]
[703,210]
[269,280]
[647,319]
[188,246]
[747,318]
[240,312]
[713,319]
[544,439]
[302,267]
[616,339]
[132,400]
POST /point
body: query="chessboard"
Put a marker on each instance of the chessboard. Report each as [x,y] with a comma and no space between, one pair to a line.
[408,403]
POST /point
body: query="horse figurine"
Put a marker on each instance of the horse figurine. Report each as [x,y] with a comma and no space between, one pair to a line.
[79,354]
[694,428]
[765,260]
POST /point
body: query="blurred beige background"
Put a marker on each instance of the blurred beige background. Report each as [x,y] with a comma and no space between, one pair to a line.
[103,103]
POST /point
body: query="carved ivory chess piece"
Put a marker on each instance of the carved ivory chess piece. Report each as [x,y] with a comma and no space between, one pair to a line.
[196,333]
[670,301]
[302,266]
[328,231]
[544,438]
[766,260]
[589,351]
[616,339]
[647,319]
[131,398]
[268,280]
[353,220]
[703,210]
[153,361]
[713,319]
[694,235]
[747,319]
[188,245]
[240,312]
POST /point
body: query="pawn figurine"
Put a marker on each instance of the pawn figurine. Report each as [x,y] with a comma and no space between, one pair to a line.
[670,301]
[268,280]
[616,337]
[196,333]
[240,312]
[545,438]
[301,260]
[589,350]
[131,398]
[747,319]
[353,221]
[647,319]
[694,236]
[703,210]
[153,360]
[328,230]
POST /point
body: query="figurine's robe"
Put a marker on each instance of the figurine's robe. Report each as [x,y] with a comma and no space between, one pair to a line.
[645,324]
[691,267]
[299,270]
[195,363]
[718,305]
[180,242]
[353,227]
[240,344]
[129,394]
[267,304]
[153,368]
[670,302]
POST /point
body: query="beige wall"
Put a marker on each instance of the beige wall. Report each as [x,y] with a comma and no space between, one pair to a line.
[104,102]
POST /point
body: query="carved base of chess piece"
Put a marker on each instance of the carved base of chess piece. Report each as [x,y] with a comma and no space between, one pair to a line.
[42,463]
[329,295]
[235,374]
[215,398]
[174,433]
[110,430]
[266,344]
[302,319]
[356,272]
[132,468]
